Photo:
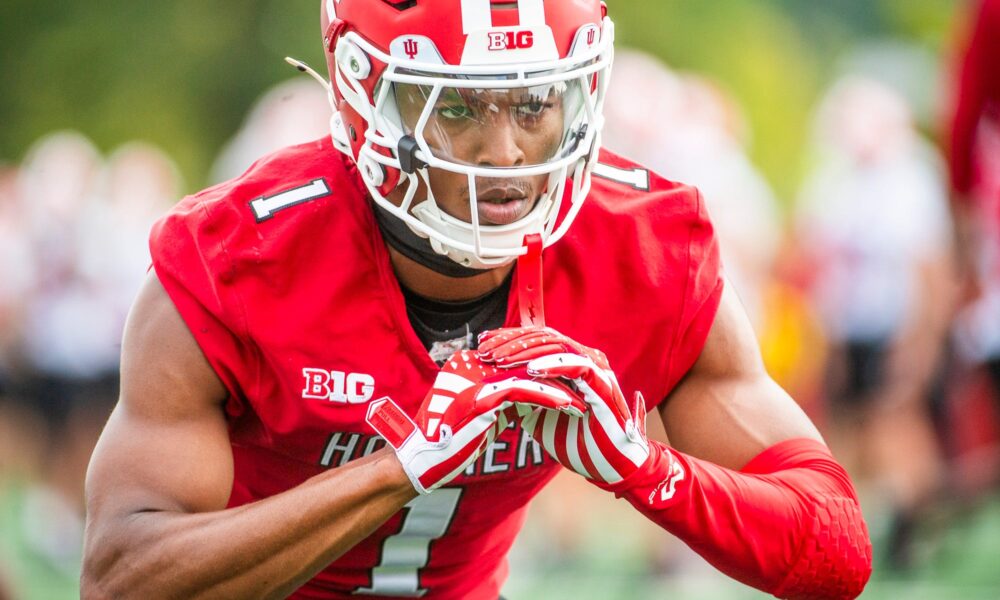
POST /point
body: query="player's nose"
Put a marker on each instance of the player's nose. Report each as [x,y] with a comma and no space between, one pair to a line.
[502,143]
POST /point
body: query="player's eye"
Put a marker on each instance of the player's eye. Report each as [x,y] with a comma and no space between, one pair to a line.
[532,108]
[453,112]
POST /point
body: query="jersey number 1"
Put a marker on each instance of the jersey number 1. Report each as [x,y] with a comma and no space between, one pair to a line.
[264,207]
[637,179]
[403,555]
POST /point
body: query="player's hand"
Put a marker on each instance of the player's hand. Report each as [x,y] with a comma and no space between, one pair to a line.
[468,406]
[608,443]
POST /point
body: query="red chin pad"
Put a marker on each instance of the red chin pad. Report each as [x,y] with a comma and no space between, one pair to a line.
[529,283]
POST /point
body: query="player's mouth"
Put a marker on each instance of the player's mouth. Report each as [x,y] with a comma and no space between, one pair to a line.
[502,205]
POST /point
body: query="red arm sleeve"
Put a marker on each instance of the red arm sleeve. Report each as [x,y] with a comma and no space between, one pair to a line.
[788,523]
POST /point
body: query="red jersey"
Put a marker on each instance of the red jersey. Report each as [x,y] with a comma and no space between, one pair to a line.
[285,282]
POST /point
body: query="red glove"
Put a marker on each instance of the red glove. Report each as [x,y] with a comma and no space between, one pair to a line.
[468,406]
[608,443]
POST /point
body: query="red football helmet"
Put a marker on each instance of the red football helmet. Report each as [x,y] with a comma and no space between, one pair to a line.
[433,84]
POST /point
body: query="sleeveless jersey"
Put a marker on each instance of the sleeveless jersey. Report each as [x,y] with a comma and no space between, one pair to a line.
[284,281]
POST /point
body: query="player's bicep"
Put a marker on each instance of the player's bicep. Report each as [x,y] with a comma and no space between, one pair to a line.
[727,409]
[166,446]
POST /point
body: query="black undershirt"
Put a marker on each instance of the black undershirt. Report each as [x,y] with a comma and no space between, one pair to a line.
[446,327]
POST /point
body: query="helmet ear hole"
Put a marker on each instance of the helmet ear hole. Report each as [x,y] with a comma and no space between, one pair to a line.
[352,61]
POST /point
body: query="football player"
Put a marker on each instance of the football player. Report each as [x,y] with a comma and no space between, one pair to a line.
[974,165]
[304,408]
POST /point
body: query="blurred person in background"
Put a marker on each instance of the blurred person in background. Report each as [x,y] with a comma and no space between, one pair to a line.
[137,184]
[50,394]
[293,112]
[974,134]
[699,137]
[75,233]
[973,143]
[13,249]
[17,271]
[6,590]
[67,335]
[873,214]
[17,447]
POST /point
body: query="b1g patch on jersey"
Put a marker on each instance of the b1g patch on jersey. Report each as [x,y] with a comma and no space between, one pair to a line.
[337,386]
[266,206]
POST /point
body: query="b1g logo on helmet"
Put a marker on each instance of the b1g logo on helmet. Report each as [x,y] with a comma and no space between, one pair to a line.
[510,40]
[338,386]
[529,38]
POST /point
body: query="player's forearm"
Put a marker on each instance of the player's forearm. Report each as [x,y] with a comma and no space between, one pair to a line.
[261,550]
[791,527]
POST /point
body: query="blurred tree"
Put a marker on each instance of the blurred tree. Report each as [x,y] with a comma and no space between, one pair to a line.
[775,56]
[183,74]
[179,74]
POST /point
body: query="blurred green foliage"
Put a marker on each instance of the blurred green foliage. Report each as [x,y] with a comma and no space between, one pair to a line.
[183,74]
[180,74]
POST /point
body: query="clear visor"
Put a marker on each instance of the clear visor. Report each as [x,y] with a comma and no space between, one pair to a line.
[496,127]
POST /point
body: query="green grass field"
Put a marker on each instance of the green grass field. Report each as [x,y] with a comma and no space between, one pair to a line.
[958,557]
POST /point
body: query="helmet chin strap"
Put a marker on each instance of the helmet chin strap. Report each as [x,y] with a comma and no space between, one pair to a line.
[418,249]
[529,283]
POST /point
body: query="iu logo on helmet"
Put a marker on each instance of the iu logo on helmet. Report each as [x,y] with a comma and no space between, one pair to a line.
[511,40]
[591,36]
[411,47]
